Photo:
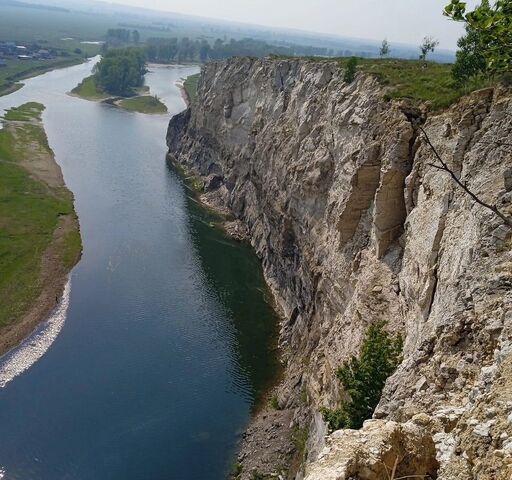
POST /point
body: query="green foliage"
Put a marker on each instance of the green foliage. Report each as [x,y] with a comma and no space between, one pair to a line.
[274,403]
[428,45]
[384,49]
[120,71]
[493,25]
[419,81]
[470,61]
[120,36]
[350,70]
[300,439]
[363,378]
[236,471]
[166,50]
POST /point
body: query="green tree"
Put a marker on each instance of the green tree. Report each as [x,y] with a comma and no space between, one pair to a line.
[136,37]
[494,27]
[121,70]
[350,70]
[363,378]
[428,45]
[470,61]
[384,49]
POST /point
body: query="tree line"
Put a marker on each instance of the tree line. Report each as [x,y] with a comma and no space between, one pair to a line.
[118,36]
[167,50]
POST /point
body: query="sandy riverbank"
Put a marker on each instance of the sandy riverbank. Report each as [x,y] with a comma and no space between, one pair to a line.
[57,259]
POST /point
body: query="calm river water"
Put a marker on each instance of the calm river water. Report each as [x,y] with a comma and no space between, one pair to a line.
[151,372]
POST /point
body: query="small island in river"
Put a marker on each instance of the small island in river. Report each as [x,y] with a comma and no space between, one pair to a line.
[118,79]
[39,237]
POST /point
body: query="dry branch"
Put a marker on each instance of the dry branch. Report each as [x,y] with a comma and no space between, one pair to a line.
[444,167]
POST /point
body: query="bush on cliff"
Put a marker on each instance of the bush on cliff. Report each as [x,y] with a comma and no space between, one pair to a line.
[363,378]
[351,70]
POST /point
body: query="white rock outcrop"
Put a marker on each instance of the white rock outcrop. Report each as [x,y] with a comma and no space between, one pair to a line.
[338,195]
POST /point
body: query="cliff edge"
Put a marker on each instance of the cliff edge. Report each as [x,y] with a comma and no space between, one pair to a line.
[353,225]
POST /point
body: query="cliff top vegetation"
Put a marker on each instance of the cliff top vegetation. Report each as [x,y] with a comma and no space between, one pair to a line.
[420,81]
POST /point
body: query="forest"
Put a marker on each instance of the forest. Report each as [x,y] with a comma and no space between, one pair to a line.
[165,50]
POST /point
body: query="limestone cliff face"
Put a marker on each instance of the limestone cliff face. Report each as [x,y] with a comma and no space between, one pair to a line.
[353,225]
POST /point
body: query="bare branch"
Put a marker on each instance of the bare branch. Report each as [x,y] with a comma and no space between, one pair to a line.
[436,166]
[444,166]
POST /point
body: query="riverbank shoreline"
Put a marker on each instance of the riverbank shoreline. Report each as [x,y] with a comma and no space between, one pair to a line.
[63,250]
[184,93]
[15,82]
[268,439]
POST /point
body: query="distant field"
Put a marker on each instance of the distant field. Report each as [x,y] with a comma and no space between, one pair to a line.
[50,29]
[31,24]
[39,25]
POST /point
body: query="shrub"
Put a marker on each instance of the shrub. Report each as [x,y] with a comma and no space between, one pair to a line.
[469,59]
[350,70]
[493,25]
[274,403]
[363,378]
[300,439]
[236,471]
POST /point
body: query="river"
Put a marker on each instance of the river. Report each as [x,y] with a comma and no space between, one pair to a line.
[163,343]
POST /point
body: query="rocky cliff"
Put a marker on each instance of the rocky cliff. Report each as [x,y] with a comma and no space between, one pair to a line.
[340,197]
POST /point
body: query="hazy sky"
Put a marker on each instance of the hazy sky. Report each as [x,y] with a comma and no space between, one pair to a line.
[406,21]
